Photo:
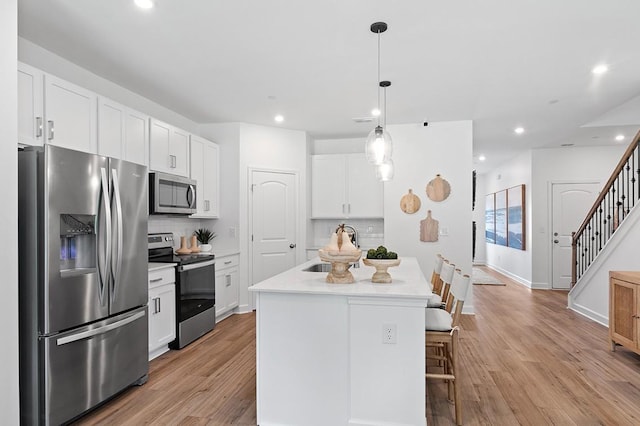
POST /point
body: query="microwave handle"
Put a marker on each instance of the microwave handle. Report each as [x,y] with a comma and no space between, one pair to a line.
[191,196]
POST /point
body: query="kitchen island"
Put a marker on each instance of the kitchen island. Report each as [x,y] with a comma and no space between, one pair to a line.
[341,354]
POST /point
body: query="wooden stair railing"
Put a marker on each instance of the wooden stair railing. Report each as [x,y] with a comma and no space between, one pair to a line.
[617,198]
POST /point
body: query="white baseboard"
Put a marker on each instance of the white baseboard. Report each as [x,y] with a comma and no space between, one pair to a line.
[514,277]
[468,310]
[244,309]
[586,312]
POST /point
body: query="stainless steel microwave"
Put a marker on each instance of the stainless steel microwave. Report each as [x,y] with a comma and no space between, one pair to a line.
[169,194]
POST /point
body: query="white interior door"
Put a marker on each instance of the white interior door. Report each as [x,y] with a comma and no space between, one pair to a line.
[274,222]
[570,204]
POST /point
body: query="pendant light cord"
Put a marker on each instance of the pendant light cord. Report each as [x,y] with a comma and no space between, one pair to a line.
[378,82]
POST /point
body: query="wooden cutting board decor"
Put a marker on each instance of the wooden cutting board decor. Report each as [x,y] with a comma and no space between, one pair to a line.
[438,189]
[410,203]
[429,229]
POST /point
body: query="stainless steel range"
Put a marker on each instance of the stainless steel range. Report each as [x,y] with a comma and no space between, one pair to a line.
[195,289]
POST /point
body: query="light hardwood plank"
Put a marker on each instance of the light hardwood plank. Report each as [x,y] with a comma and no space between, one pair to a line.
[525,359]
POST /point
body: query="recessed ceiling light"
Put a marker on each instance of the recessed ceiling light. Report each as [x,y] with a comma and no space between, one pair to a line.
[375,112]
[482,158]
[519,130]
[600,69]
[279,118]
[620,138]
[144,4]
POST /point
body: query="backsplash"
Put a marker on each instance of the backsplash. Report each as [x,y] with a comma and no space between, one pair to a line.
[179,226]
[370,231]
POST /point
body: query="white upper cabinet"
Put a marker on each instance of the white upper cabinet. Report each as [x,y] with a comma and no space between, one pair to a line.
[169,149]
[71,115]
[344,186]
[122,132]
[30,106]
[205,169]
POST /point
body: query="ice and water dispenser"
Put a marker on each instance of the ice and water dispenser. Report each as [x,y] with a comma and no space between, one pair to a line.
[77,244]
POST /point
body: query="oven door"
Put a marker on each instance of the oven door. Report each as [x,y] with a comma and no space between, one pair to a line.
[195,302]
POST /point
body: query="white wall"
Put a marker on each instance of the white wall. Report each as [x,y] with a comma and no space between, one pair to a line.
[9,406]
[419,153]
[257,147]
[227,136]
[591,296]
[514,263]
[36,56]
[538,169]
[562,165]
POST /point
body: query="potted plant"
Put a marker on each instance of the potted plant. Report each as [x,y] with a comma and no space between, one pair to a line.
[203,235]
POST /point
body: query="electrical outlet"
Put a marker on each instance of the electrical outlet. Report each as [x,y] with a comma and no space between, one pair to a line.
[389,334]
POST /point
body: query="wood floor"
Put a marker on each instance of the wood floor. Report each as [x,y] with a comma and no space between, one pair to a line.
[525,360]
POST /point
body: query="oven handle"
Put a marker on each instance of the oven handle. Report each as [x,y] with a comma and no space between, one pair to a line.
[196,265]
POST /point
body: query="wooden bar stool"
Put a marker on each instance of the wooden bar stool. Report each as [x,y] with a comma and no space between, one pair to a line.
[441,331]
[436,283]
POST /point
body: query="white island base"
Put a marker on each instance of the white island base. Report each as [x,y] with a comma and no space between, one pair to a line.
[341,354]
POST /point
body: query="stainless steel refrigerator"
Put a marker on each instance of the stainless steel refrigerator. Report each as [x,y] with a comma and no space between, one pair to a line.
[82,281]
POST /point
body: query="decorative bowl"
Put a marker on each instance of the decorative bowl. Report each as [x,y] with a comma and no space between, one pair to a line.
[381,275]
[340,262]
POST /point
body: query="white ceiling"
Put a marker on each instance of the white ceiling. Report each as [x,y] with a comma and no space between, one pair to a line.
[499,63]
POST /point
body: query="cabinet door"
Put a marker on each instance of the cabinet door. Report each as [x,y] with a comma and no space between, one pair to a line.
[204,168]
[364,191]
[624,304]
[162,315]
[328,189]
[110,128]
[196,171]
[71,113]
[159,141]
[221,288]
[232,284]
[136,137]
[212,180]
[30,106]
[179,151]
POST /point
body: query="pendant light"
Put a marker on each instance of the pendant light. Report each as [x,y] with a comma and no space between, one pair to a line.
[384,170]
[379,146]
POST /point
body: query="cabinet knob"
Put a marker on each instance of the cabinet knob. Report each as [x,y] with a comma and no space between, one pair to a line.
[292,245]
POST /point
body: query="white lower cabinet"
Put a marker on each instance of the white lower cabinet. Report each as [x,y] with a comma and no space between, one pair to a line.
[162,310]
[227,285]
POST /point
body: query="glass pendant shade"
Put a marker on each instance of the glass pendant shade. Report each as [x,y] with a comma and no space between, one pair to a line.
[384,171]
[379,146]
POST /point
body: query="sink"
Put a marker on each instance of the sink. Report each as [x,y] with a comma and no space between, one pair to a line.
[318,267]
[324,267]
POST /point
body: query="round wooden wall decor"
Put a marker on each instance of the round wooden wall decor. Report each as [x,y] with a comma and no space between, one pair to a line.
[438,189]
[410,203]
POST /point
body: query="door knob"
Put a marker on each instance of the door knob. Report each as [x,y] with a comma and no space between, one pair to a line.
[292,245]
[556,241]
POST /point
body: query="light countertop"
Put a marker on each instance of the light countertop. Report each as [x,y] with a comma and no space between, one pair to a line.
[154,266]
[225,252]
[408,282]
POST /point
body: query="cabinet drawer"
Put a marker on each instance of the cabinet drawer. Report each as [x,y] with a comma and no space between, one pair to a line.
[162,277]
[226,262]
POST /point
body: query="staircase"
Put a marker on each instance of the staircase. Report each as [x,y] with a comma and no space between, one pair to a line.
[614,204]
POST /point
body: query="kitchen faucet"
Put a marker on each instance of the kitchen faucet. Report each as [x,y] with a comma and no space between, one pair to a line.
[353,235]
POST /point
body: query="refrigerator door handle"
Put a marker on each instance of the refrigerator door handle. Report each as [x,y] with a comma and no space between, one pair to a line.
[118,224]
[100,330]
[103,269]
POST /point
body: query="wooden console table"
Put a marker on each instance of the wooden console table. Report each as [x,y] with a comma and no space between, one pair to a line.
[624,309]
